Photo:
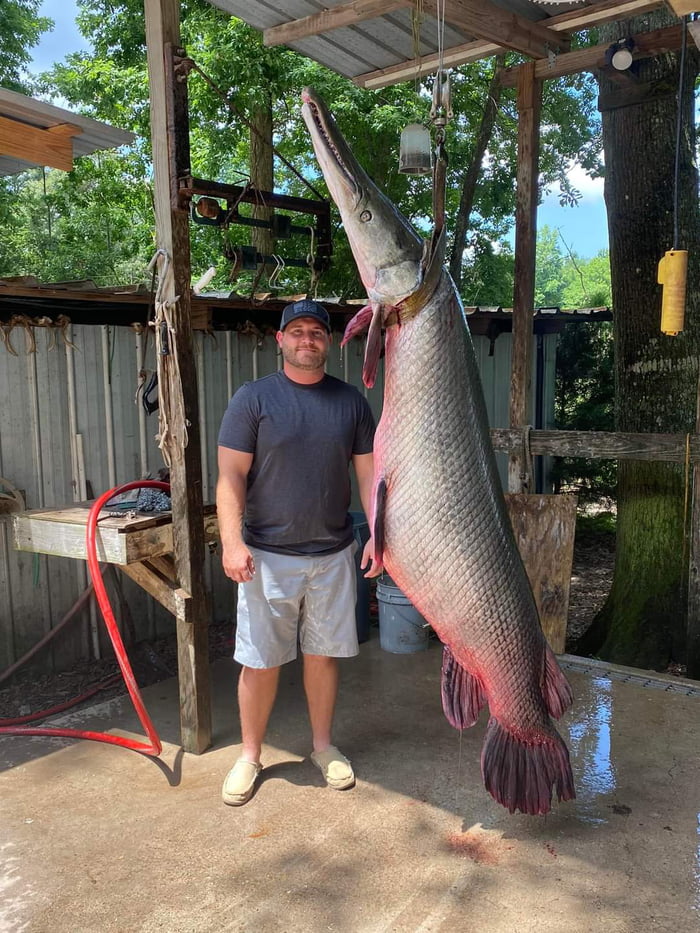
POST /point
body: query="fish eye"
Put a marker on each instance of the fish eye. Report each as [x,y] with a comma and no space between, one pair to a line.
[365,216]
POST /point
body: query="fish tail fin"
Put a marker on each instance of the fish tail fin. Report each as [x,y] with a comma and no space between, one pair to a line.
[462,693]
[556,689]
[520,771]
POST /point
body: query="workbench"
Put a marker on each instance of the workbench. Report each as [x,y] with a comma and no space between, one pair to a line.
[141,545]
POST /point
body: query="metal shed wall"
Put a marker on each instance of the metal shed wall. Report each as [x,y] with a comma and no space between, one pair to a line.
[70,428]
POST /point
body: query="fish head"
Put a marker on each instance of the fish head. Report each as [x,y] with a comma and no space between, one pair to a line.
[387,249]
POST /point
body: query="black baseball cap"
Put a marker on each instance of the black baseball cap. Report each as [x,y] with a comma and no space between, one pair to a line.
[305,308]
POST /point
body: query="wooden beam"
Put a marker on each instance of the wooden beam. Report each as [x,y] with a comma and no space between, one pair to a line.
[159,586]
[586,17]
[487,21]
[600,445]
[346,14]
[592,58]
[529,106]
[683,7]
[52,146]
[177,373]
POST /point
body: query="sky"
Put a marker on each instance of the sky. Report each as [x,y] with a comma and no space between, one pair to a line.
[583,228]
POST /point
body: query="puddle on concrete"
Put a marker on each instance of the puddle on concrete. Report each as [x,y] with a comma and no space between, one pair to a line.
[590,746]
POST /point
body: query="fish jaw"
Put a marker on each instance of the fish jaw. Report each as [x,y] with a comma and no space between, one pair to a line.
[386,248]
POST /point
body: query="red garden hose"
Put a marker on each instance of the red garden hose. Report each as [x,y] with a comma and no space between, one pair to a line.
[153,747]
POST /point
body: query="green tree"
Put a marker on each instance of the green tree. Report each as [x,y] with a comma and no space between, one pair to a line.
[20,30]
[111,84]
[643,620]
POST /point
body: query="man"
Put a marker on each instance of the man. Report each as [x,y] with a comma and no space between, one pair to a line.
[285,445]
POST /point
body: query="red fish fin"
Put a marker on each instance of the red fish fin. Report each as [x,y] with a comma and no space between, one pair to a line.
[374,347]
[556,690]
[378,523]
[520,772]
[358,324]
[462,694]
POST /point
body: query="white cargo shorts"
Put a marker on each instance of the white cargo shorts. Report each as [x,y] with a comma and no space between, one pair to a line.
[292,600]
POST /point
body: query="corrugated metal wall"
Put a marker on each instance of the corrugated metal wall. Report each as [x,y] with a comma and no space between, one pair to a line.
[70,428]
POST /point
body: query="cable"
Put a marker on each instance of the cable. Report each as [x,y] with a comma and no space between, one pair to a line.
[679,127]
[153,747]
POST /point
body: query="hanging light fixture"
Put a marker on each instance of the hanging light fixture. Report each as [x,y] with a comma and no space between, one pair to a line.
[415,151]
[619,54]
[416,147]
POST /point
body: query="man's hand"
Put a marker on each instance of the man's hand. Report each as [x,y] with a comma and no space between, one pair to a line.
[367,558]
[238,563]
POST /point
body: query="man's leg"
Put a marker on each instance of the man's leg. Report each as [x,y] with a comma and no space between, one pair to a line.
[257,689]
[321,687]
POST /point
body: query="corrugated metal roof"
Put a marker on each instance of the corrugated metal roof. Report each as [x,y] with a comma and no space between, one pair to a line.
[94,136]
[377,48]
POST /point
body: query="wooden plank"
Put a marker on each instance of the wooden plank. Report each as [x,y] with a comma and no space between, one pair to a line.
[600,445]
[52,146]
[47,533]
[346,14]
[176,370]
[647,44]
[607,11]
[427,64]
[544,528]
[684,7]
[529,106]
[159,586]
[494,24]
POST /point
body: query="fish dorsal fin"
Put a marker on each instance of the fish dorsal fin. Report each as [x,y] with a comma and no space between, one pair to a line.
[462,693]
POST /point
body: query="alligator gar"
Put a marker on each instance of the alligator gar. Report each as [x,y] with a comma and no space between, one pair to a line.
[439,519]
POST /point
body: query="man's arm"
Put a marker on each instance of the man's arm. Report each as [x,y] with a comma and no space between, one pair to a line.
[234,466]
[364,471]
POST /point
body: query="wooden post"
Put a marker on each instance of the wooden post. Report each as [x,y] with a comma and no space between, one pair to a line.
[529,105]
[693,618]
[177,378]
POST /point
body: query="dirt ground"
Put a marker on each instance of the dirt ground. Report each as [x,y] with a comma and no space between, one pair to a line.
[28,691]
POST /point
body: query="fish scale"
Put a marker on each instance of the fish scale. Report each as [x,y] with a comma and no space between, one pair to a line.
[439,519]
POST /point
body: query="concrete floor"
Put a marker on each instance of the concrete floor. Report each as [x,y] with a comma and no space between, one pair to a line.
[96,838]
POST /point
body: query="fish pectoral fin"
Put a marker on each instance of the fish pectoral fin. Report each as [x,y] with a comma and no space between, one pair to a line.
[378,523]
[358,324]
[520,770]
[463,695]
[373,348]
[556,690]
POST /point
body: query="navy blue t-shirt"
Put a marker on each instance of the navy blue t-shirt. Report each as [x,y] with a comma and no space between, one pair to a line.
[302,438]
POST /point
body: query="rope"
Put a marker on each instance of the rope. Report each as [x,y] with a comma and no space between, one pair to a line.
[166,349]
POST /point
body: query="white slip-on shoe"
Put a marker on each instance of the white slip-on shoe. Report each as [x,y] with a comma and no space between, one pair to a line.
[240,783]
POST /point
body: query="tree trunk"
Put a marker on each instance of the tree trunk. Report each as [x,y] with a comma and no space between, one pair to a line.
[643,620]
[471,176]
[262,171]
